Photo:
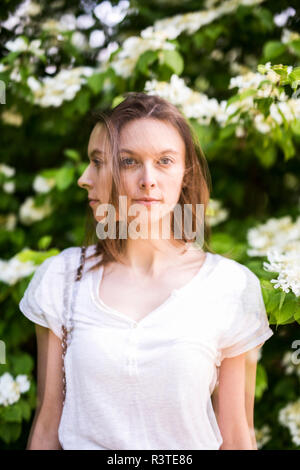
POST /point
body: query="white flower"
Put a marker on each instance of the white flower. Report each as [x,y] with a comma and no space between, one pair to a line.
[52,25]
[281,18]
[215,213]
[43,185]
[273,76]
[8,221]
[7,170]
[111,15]
[3,67]
[12,118]
[289,365]
[279,233]
[240,131]
[97,38]
[28,8]
[261,124]
[105,53]
[52,91]
[15,75]
[9,187]
[13,270]
[289,36]
[29,213]
[289,416]
[217,54]
[79,40]
[262,436]
[20,45]
[125,61]
[192,103]
[10,389]
[67,22]
[246,81]
[85,21]
[23,383]
[287,264]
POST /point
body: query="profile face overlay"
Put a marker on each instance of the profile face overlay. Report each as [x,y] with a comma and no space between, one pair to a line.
[152,165]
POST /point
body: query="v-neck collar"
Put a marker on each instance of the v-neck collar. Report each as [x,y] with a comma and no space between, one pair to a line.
[96,278]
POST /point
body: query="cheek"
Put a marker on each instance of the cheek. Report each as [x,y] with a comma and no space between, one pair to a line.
[173,183]
[129,184]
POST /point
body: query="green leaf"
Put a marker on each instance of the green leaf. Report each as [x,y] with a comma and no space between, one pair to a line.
[173,60]
[295,126]
[263,105]
[286,313]
[72,154]
[23,364]
[44,242]
[222,242]
[82,167]
[294,76]
[95,82]
[117,100]
[261,381]
[295,46]
[241,96]
[227,131]
[273,302]
[273,49]
[282,297]
[37,257]
[214,31]
[12,413]
[266,154]
[265,17]
[25,409]
[64,177]
[10,432]
[146,59]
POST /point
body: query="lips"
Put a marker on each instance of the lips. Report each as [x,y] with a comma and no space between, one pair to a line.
[93,201]
[147,202]
[146,199]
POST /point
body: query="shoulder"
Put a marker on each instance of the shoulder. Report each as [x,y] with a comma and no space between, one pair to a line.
[72,254]
[235,277]
[56,266]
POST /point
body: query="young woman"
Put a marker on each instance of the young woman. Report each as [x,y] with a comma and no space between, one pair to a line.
[162,332]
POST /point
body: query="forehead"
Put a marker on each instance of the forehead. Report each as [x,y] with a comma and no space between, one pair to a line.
[151,135]
[98,138]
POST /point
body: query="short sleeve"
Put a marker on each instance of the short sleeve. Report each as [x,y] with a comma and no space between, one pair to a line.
[249,326]
[42,302]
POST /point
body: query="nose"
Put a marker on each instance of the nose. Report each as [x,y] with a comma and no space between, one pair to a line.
[147,179]
[85,181]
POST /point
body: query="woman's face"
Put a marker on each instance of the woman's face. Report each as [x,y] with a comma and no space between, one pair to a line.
[96,177]
[152,164]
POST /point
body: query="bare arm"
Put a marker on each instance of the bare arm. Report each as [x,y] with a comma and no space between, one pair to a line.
[250,383]
[230,405]
[44,431]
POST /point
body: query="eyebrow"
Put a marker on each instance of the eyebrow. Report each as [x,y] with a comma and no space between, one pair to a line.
[132,152]
[95,152]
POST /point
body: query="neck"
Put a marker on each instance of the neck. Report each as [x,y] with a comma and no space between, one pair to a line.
[150,257]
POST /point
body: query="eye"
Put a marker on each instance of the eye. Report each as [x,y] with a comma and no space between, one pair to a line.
[126,161]
[97,162]
[166,158]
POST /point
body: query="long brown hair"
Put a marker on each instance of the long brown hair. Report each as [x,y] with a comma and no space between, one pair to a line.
[196,187]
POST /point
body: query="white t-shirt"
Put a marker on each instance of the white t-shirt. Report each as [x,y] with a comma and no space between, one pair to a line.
[148,384]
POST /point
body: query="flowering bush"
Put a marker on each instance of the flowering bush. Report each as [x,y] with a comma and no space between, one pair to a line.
[232,67]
